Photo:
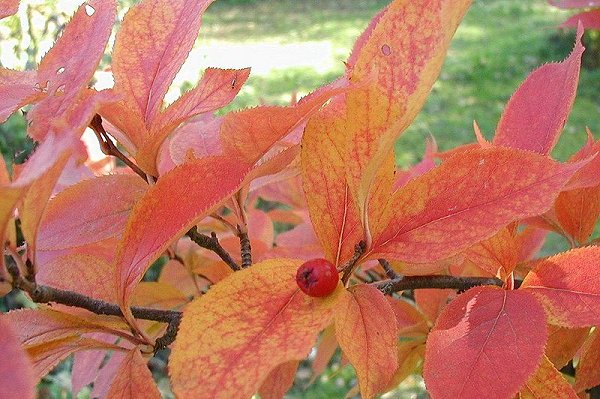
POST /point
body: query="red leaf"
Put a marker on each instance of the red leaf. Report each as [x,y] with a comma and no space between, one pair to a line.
[589,20]
[178,201]
[465,200]
[367,332]
[66,69]
[574,3]
[536,113]
[134,379]
[8,7]
[486,343]
[568,286]
[16,90]
[16,373]
[89,211]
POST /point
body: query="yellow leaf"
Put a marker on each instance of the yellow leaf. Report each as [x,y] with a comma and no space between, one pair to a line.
[246,325]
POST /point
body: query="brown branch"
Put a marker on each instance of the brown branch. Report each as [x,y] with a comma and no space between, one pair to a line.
[212,243]
[109,148]
[45,294]
[348,267]
[417,282]
[245,248]
[391,273]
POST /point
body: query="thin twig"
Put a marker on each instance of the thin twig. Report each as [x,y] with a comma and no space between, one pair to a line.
[348,267]
[213,244]
[391,273]
[109,148]
[245,248]
[417,282]
[46,294]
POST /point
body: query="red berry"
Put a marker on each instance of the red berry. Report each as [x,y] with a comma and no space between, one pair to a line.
[317,277]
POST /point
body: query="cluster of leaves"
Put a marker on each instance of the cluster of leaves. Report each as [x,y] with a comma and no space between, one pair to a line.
[472,219]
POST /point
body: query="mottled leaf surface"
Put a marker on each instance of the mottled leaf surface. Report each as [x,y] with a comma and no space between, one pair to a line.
[486,343]
[257,313]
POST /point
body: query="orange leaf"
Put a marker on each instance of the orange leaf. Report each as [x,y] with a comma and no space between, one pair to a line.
[144,71]
[432,301]
[157,295]
[408,318]
[486,343]
[47,355]
[36,199]
[547,382]
[43,325]
[398,60]
[563,344]
[178,201]
[497,255]
[367,332]
[536,113]
[134,379]
[233,336]
[16,373]
[577,212]
[465,200]
[152,44]
[333,213]
[588,175]
[588,374]
[325,350]
[8,7]
[89,211]
[279,381]
[568,286]
[89,273]
[250,133]
[216,89]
